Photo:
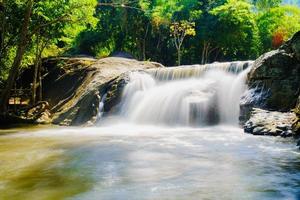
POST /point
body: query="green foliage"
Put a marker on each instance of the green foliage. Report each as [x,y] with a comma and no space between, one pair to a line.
[55,22]
[222,29]
[237,34]
[267,4]
[285,19]
[179,30]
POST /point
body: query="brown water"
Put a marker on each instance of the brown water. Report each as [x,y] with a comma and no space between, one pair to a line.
[139,162]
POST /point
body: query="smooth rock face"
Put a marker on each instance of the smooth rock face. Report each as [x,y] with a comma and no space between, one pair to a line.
[103,78]
[277,73]
[263,122]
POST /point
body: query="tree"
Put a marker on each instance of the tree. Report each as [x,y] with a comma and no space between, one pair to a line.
[58,30]
[18,58]
[283,20]
[237,32]
[52,17]
[179,31]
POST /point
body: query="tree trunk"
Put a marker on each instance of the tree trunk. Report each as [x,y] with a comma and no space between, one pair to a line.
[203,53]
[179,56]
[40,81]
[18,58]
[2,28]
[144,42]
[36,68]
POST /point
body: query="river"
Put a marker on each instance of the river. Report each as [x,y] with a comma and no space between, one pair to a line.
[146,162]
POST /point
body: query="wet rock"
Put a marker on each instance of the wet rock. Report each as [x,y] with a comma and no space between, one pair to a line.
[287,133]
[40,113]
[105,78]
[276,74]
[296,125]
[254,97]
[272,123]
[44,118]
[114,94]
[274,81]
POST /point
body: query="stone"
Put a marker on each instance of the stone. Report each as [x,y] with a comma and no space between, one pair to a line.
[75,94]
[273,123]
[274,82]
[276,74]
[287,133]
[259,131]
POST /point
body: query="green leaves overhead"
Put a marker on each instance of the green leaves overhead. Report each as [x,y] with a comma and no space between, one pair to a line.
[162,12]
[56,22]
[237,29]
[283,19]
[222,29]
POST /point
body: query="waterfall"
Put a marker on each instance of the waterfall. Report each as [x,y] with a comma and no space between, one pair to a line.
[189,71]
[194,95]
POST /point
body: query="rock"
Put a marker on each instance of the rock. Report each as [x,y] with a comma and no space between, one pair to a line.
[249,127]
[259,131]
[287,133]
[44,118]
[264,122]
[293,45]
[282,127]
[40,113]
[276,75]
[75,96]
[274,81]
[296,125]
[253,97]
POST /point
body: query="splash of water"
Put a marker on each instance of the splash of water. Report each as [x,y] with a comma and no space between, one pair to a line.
[185,96]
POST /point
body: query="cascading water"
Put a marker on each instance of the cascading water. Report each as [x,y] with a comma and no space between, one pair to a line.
[188,95]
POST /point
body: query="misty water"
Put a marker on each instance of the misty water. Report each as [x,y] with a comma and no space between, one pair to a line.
[175,135]
[146,162]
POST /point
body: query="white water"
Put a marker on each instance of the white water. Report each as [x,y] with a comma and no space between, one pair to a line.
[184,96]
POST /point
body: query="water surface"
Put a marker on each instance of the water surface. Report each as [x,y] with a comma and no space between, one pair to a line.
[146,162]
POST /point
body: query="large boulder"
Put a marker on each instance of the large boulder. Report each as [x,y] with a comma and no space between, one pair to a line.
[276,74]
[274,85]
[75,94]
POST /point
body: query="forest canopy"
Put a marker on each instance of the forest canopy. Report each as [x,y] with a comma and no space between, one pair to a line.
[206,30]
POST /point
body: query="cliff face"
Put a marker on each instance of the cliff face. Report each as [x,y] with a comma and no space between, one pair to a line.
[74,87]
[274,83]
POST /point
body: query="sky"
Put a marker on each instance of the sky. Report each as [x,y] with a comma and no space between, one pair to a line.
[292,2]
